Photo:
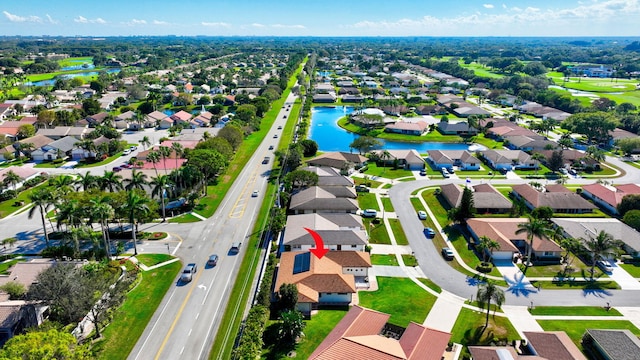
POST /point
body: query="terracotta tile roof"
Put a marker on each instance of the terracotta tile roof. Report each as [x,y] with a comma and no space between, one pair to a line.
[181,116]
[555,345]
[503,230]
[611,195]
[357,336]
[336,159]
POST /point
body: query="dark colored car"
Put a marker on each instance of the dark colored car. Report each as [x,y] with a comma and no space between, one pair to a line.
[447,253]
[213,260]
[429,232]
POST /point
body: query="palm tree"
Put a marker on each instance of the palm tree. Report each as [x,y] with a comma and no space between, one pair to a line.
[487,245]
[595,153]
[487,292]
[160,185]
[138,180]
[111,181]
[134,205]
[87,181]
[41,198]
[62,183]
[178,149]
[102,211]
[69,212]
[533,228]
[12,178]
[145,142]
[154,158]
[600,247]
[165,152]
[537,157]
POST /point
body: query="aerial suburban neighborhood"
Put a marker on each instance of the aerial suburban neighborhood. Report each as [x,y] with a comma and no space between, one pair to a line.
[276,197]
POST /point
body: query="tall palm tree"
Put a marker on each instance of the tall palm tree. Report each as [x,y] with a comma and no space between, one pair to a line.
[41,199]
[154,158]
[160,185]
[111,181]
[146,142]
[602,245]
[533,228]
[62,183]
[135,204]
[86,181]
[487,292]
[69,212]
[487,245]
[179,151]
[138,180]
[165,153]
[11,178]
[537,157]
[102,211]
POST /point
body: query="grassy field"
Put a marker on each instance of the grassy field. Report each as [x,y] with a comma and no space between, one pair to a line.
[153,259]
[480,70]
[377,232]
[381,259]
[579,268]
[587,285]
[633,269]
[468,328]
[130,320]
[316,329]
[576,328]
[7,207]
[401,298]
[433,286]
[387,172]
[368,201]
[574,311]
[73,61]
[398,232]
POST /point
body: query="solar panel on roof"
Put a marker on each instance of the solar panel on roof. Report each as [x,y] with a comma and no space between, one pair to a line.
[301,262]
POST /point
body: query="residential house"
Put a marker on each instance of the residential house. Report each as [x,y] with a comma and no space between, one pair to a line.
[529,144]
[466,109]
[502,131]
[328,176]
[339,232]
[78,153]
[18,148]
[157,118]
[601,71]
[125,120]
[573,158]
[364,334]
[349,98]
[460,128]
[503,231]
[324,98]
[508,160]
[6,110]
[486,199]
[460,159]
[349,91]
[339,160]
[609,197]
[96,119]
[202,120]
[59,132]
[407,159]
[580,229]
[24,172]
[318,199]
[429,110]
[324,88]
[611,344]
[181,117]
[9,129]
[331,280]
[196,134]
[60,148]
[557,197]
[409,128]
[543,345]
[619,134]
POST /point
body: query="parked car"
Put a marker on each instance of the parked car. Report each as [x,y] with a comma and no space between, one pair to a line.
[445,173]
[362,188]
[604,266]
[447,253]
[133,148]
[369,213]
[266,160]
[117,168]
[187,273]
[429,232]
[126,152]
[422,215]
[213,260]
[423,172]
[444,170]
[254,193]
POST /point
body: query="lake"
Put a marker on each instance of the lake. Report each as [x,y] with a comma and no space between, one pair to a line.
[325,131]
[50,82]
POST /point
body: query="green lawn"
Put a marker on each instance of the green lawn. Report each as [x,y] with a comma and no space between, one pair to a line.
[381,259]
[377,232]
[401,298]
[7,207]
[468,328]
[574,311]
[589,285]
[386,203]
[409,260]
[468,256]
[317,329]
[633,269]
[6,265]
[386,171]
[494,307]
[130,320]
[153,259]
[433,286]
[480,70]
[366,181]
[558,270]
[576,328]
[368,201]
[398,232]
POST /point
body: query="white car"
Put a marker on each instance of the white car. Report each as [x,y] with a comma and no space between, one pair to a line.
[254,193]
[369,213]
[422,215]
[604,266]
[126,152]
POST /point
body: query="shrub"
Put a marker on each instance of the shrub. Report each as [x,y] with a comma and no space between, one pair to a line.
[8,195]
[15,290]
[58,161]
[484,267]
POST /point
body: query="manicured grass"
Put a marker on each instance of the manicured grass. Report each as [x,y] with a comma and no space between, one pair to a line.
[409,260]
[82,165]
[366,181]
[433,286]
[574,311]
[632,269]
[368,201]
[580,269]
[153,259]
[130,320]
[7,208]
[401,298]
[5,266]
[576,328]
[386,203]
[480,70]
[468,328]
[73,61]
[588,285]
[475,303]
[381,259]
[398,232]
[468,256]
[488,142]
[316,329]
[377,232]
[185,218]
[437,205]
[387,172]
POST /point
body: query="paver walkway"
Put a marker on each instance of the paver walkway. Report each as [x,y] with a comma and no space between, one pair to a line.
[623,278]
[444,313]
[390,249]
[513,276]
[521,319]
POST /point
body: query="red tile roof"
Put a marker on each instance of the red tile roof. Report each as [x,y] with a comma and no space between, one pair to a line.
[612,196]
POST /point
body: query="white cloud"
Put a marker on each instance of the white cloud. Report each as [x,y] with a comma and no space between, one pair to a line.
[488,6]
[282,26]
[160,22]
[257,25]
[17,18]
[504,6]
[216,24]
[83,20]
[50,19]
[138,22]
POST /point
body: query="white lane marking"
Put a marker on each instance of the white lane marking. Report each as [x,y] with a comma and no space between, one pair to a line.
[202,286]
[156,324]
[190,330]
[197,316]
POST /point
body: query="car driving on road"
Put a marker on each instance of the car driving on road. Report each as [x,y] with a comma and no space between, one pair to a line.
[447,253]
[429,232]
[422,215]
[187,273]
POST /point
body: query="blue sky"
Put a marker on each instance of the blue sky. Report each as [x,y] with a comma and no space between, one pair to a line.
[321,17]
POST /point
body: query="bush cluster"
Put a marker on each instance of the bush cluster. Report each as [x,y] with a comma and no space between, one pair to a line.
[8,195]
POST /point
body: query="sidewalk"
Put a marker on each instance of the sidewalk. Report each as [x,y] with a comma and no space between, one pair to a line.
[521,319]
[444,313]
[390,249]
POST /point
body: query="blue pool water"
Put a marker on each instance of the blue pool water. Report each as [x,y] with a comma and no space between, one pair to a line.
[330,137]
